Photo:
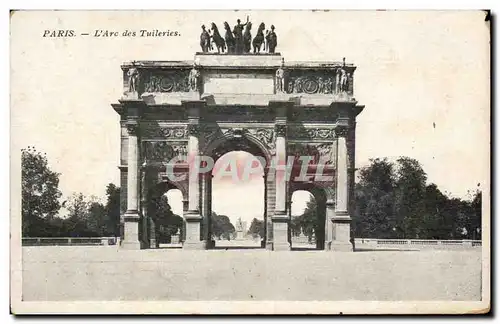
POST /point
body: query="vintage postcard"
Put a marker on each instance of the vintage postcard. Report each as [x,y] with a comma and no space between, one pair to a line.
[250,162]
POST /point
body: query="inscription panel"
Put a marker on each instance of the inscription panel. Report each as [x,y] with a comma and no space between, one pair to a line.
[238,83]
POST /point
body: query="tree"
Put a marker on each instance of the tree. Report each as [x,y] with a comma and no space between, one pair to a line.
[74,224]
[256,228]
[166,222]
[221,226]
[112,210]
[97,219]
[309,218]
[409,200]
[40,192]
[374,200]
[476,207]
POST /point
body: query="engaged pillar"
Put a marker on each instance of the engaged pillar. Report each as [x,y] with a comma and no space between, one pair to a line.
[341,221]
[131,217]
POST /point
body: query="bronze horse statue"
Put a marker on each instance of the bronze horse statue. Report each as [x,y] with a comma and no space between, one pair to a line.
[230,42]
[259,38]
[247,38]
[217,39]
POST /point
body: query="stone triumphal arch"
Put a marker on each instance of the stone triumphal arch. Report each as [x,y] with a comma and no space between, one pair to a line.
[172,112]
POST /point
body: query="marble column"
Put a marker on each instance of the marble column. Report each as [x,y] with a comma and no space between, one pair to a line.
[341,222]
[205,209]
[143,205]
[280,217]
[192,216]
[131,217]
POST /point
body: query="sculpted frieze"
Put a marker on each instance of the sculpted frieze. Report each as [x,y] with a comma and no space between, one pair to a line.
[320,82]
[175,81]
[164,131]
[300,132]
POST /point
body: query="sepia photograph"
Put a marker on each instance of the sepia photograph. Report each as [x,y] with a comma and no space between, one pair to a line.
[250,162]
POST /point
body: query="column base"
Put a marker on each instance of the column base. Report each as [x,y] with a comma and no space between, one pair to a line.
[131,245]
[152,244]
[285,246]
[339,246]
[131,231]
[194,245]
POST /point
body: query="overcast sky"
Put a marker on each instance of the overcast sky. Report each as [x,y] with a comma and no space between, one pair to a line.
[423,76]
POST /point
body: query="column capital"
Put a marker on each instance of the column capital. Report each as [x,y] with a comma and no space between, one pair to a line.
[132,127]
[280,129]
[193,129]
[341,130]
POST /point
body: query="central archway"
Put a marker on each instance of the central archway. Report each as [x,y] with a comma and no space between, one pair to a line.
[239,166]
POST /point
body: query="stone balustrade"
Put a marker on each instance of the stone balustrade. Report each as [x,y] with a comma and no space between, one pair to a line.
[73,241]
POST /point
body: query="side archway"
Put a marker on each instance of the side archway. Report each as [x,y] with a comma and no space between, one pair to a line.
[320,198]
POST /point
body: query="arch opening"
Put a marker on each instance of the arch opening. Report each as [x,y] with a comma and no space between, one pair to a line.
[165,209]
[308,219]
[238,172]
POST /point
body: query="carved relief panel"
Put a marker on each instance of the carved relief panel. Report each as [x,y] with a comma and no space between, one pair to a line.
[162,151]
[320,82]
[166,81]
[320,152]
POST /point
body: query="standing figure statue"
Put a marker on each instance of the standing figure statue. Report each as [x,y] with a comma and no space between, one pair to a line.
[217,39]
[133,79]
[194,79]
[204,40]
[247,38]
[272,40]
[259,39]
[280,77]
[238,36]
[230,41]
[341,79]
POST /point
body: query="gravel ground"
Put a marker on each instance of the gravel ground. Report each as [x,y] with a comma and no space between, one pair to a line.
[106,273]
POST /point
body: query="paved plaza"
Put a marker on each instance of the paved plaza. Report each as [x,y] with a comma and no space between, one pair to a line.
[107,273]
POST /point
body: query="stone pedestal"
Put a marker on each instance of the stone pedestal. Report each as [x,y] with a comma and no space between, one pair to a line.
[131,231]
[174,239]
[193,227]
[280,232]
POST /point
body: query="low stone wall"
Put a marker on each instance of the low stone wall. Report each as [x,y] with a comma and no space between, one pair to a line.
[417,244]
[61,241]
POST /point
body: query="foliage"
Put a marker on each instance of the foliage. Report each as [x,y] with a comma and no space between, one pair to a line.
[257,228]
[221,226]
[112,209]
[394,201]
[40,192]
[166,222]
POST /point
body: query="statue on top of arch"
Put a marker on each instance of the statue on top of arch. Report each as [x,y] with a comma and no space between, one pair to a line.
[239,39]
